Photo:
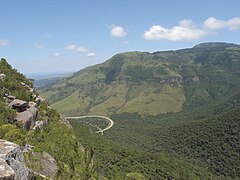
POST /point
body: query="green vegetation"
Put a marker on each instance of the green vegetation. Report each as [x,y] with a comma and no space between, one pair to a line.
[12,82]
[128,82]
[119,160]
[6,114]
[170,109]
[176,116]
[56,138]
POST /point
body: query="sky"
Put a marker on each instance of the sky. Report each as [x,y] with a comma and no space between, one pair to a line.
[67,35]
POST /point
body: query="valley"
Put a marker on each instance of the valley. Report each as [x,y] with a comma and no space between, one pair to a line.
[110,122]
[169,108]
[120,90]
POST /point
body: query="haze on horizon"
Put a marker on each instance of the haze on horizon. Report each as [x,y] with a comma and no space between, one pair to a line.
[66,36]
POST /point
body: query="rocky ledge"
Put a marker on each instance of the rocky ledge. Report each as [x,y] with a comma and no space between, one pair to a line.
[12,164]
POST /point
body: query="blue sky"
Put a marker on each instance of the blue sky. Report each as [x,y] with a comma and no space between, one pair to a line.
[68,35]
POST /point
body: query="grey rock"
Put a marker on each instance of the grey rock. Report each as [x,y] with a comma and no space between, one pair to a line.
[28,117]
[11,97]
[40,99]
[11,155]
[19,105]
[40,125]
[6,172]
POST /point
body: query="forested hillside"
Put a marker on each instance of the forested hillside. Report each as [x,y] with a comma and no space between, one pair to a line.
[180,105]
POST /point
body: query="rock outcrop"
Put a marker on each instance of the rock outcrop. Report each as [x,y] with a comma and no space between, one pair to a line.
[19,105]
[12,164]
[27,111]
[28,117]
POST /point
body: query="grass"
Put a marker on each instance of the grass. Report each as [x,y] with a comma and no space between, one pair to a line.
[148,102]
[145,99]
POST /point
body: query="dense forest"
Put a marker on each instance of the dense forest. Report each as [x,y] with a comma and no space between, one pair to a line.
[176,113]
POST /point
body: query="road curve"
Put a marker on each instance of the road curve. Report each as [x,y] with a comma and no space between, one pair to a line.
[110,124]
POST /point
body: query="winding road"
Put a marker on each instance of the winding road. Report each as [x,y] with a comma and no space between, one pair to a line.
[110,121]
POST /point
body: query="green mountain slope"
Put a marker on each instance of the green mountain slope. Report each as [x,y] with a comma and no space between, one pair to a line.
[150,84]
[183,104]
[75,160]
[213,140]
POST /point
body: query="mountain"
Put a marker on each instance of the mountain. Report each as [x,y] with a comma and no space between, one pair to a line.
[181,104]
[149,83]
[36,142]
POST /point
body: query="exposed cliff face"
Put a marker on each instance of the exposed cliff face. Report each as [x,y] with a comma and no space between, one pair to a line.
[28,120]
[12,164]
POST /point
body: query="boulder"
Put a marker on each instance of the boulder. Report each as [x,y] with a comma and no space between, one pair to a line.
[12,164]
[8,98]
[11,97]
[19,105]
[28,117]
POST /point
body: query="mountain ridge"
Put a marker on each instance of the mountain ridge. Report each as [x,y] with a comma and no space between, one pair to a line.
[143,78]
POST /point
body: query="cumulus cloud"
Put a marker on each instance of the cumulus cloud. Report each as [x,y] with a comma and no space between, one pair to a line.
[73,47]
[4,42]
[186,30]
[91,54]
[38,46]
[117,31]
[213,23]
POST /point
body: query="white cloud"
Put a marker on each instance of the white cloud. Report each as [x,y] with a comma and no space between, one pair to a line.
[186,30]
[57,54]
[186,23]
[213,23]
[91,54]
[38,46]
[73,47]
[117,31]
[4,42]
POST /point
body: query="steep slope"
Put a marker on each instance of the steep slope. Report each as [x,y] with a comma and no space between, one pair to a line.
[213,140]
[125,83]
[48,137]
[150,84]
